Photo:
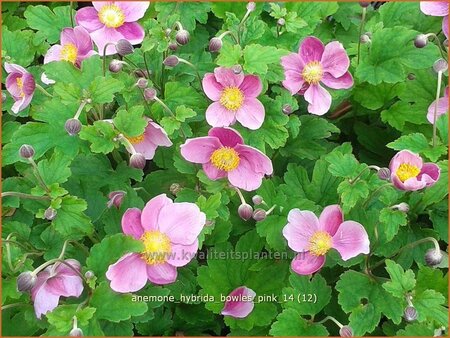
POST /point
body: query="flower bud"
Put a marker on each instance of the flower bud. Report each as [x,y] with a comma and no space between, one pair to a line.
[137,161]
[115,198]
[215,44]
[26,281]
[433,257]
[182,37]
[259,215]
[115,66]
[287,109]
[346,331]
[72,126]
[89,274]
[171,61]
[245,211]
[26,151]
[257,200]
[3,97]
[384,174]
[364,39]
[251,6]
[237,69]
[411,76]
[167,32]
[410,313]
[175,188]
[440,66]
[403,207]
[124,47]
[141,73]
[281,22]
[173,46]
[369,34]
[149,94]
[364,4]
[142,83]
[420,41]
[50,214]
[76,332]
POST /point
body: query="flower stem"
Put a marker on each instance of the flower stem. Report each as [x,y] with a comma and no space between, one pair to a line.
[240,194]
[128,145]
[361,27]
[104,57]
[23,195]
[80,109]
[438,42]
[332,319]
[70,14]
[8,306]
[43,91]
[438,93]
[38,175]
[375,192]
[353,181]
[194,68]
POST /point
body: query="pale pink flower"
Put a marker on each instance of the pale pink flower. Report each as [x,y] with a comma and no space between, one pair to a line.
[313,237]
[53,282]
[21,85]
[239,303]
[408,172]
[437,8]
[224,154]
[235,98]
[169,234]
[442,107]
[111,21]
[314,64]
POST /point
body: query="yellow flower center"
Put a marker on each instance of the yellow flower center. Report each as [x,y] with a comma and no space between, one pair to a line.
[69,53]
[320,243]
[232,98]
[20,85]
[156,247]
[406,171]
[111,16]
[312,72]
[136,139]
[225,158]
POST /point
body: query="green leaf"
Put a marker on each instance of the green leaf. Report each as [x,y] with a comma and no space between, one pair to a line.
[430,306]
[257,58]
[16,45]
[401,281]
[70,221]
[400,113]
[114,306]
[379,96]
[351,194]
[289,323]
[183,113]
[229,55]
[100,135]
[416,330]
[209,206]
[343,165]
[189,12]
[390,222]
[102,89]
[62,317]
[56,169]
[131,122]
[417,143]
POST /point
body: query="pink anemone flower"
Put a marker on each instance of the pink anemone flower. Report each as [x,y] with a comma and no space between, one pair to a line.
[235,98]
[153,136]
[76,45]
[168,232]
[111,21]
[442,107]
[21,85]
[53,282]
[239,303]
[313,237]
[437,8]
[408,172]
[224,154]
[314,64]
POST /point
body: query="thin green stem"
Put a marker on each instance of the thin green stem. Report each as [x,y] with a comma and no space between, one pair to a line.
[38,175]
[374,167]
[332,319]
[43,91]
[438,94]
[8,306]
[104,56]
[375,192]
[70,14]
[23,195]
[361,27]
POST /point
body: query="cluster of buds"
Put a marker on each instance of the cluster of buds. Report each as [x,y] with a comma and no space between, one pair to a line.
[246,211]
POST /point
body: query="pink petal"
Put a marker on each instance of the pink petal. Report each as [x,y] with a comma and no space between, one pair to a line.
[28,84]
[12,67]
[404,156]
[53,54]
[211,87]
[99,4]
[106,35]
[65,270]
[245,177]
[132,31]
[212,172]
[305,263]
[131,223]
[251,86]
[311,49]
[88,18]
[157,135]
[146,148]
[430,174]
[227,78]
[350,240]
[251,114]
[11,84]
[199,150]
[411,184]
[240,303]
[228,137]
[292,62]
[133,10]
[181,222]
[442,108]
[445,26]
[21,104]
[331,218]
[128,274]
[319,100]
[150,213]
[182,254]
[218,116]
[161,273]
[67,286]
[335,59]
[83,40]
[293,81]
[343,82]
[44,300]
[259,161]
[434,8]
[301,226]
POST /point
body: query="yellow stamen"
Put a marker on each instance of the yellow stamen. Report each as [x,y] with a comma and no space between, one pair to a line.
[157,247]
[111,16]
[136,139]
[20,85]
[232,98]
[225,158]
[406,171]
[69,52]
[312,72]
[319,243]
